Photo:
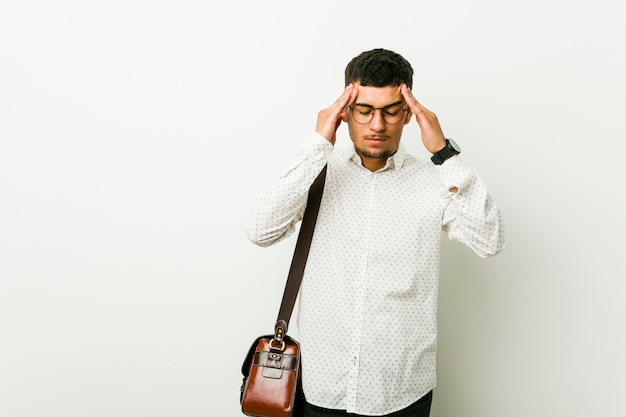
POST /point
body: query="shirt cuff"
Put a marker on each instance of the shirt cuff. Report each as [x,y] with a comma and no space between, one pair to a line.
[318,141]
[454,173]
[311,157]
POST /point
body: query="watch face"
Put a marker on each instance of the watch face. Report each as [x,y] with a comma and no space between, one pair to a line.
[454,145]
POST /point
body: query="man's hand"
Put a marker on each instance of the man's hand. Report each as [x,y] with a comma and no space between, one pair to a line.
[329,119]
[432,135]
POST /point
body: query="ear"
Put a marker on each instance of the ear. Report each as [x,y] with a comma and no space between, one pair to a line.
[344,116]
[407,118]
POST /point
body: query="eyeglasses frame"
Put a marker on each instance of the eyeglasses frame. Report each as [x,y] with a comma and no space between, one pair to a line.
[382,112]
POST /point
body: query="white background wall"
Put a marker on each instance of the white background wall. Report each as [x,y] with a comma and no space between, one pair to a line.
[134,134]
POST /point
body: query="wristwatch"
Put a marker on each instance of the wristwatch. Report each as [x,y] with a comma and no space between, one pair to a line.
[451,149]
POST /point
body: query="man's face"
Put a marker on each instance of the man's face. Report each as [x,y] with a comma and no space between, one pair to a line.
[377,139]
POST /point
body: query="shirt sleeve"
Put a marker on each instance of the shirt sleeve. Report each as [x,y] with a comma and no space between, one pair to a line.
[279,207]
[471,216]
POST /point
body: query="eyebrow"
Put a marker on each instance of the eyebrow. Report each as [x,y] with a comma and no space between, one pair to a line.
[384,107]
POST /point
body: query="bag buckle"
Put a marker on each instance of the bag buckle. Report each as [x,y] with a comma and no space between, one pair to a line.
[282,345]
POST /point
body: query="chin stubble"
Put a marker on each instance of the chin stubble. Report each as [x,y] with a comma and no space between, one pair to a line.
[376,155]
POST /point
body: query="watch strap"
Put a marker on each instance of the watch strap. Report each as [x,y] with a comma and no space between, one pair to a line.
[438,158]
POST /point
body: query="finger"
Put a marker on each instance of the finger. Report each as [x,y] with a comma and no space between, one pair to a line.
[342,104]
[351,98]
[347,98]
[410,99]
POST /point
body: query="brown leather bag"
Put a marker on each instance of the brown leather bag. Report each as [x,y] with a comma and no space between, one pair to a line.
[271,369]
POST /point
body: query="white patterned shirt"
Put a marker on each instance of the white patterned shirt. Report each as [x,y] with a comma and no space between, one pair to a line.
[368,299]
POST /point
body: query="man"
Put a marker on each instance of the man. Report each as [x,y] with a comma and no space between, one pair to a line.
[368,298]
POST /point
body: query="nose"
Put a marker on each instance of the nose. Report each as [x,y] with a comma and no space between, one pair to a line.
[377,123]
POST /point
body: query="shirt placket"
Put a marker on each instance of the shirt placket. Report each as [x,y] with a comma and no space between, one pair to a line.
[360,297]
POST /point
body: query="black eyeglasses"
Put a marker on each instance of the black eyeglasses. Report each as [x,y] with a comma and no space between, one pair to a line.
[363,113]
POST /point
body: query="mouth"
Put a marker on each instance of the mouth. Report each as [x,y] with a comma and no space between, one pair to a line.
[376,138]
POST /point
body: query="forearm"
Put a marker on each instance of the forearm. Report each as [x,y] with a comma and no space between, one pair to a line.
[472,216]
[279,207]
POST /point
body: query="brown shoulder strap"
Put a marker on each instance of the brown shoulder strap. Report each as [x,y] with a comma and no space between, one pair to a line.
[300,255]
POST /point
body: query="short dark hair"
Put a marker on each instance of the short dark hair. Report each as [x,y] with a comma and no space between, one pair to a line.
[379,68]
